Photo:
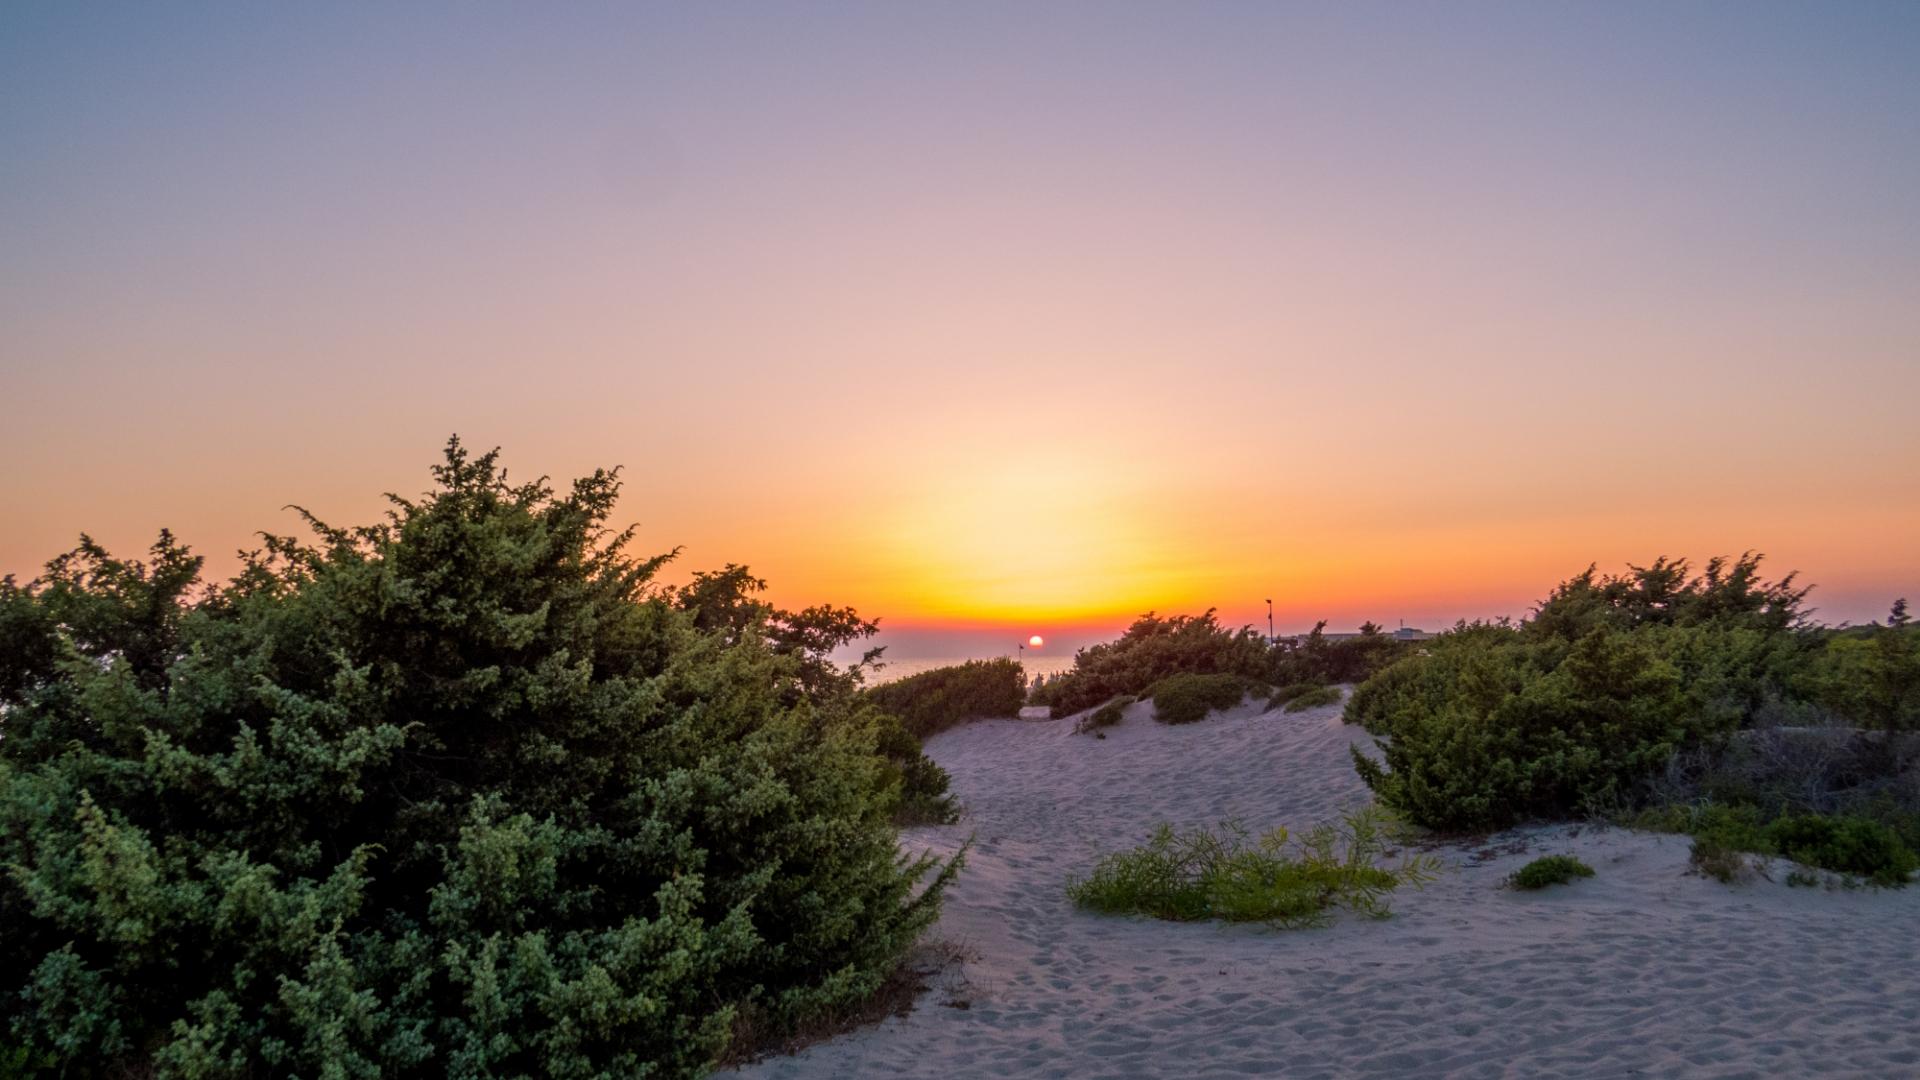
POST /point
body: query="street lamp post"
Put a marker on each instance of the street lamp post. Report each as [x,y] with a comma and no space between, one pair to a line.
[1270,637]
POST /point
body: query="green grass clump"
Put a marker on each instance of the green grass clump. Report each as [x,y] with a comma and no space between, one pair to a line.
[1290,691]
[1105,716]
[1550,870]
[1184,699]
[1314,698]
[1275,878]
[1725,838]
[1846,844]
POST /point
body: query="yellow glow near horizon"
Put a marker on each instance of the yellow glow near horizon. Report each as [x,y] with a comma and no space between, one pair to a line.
[998,320]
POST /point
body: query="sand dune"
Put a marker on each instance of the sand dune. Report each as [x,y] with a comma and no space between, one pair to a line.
[1641,971]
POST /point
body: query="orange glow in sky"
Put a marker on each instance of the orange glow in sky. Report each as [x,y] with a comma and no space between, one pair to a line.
[988,320]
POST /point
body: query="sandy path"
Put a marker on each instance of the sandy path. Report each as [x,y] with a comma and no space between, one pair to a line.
[1641,971]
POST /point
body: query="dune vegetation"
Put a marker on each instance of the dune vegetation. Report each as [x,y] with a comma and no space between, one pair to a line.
[1550,870]
[933,701]
[1659,688]
[1156,648]
[1105,716]
[1278,878]
[1186,698]
[462,792]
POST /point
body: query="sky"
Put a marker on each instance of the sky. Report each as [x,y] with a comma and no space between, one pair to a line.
[988,319]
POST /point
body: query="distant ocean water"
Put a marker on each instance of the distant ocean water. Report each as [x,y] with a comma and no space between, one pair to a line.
[900,669]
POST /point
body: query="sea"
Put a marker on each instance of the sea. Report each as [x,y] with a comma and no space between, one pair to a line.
[1035,665]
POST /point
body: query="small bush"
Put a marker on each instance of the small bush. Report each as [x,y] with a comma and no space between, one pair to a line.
[1716,860]
[1155,648]
[1550,870]
[933,701]
[1845,845]
[1184,699]
[1228,874]
[1105,716]
[1312,658]
[1314,698]
[1290,691]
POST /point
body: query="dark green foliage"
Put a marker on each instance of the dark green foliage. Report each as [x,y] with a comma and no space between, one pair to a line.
[933,701]
[1550,870]
[1105,716]
[1579,707]
[19,1063]
[460,793]
[1843,843]
[1230,875]
[1728,594]
[1316,659]
[923,783]
[1184,699]
[1313,699]
[1290,691]
[1044,690]
[1870,675]
[1514,732]
[1152,649]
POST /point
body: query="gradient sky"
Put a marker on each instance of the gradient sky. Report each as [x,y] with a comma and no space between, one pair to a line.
[988,318]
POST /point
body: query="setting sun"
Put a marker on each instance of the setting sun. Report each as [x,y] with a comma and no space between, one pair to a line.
[1035,642]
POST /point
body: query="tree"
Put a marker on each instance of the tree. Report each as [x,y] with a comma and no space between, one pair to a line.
[458,793]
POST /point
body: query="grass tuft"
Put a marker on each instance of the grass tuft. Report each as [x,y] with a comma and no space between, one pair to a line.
[1105,716]
[1276,878]
[1313,698]
[1550,870]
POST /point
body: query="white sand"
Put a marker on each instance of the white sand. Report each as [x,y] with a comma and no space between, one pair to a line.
[1640,971]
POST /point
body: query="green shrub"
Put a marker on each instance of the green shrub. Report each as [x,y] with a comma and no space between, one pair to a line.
[1845,845]
[19,1063]
[1105,716]
[933,701]
[1154,648]
[1715,859]
[923,798]
[1728,593]
[461,793]
[1290,691]
[1274,878]
[1550,870]
[1314,698]
[1313,658]
[1514,730]
[1415,686]
[1151,650]
[1184,699]
[1870,675]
